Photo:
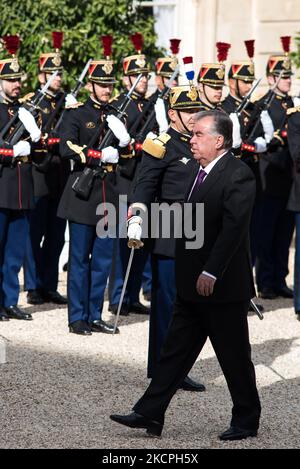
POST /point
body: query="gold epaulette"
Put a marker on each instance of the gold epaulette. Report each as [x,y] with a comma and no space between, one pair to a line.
[156,147]
[291,110]
[26,98]
[75,105]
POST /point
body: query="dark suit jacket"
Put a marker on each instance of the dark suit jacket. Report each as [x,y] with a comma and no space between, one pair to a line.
[228,194]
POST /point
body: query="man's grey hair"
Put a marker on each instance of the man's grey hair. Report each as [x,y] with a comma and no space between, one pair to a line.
[222,125]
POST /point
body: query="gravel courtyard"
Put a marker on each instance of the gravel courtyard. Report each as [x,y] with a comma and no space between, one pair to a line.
[58,389]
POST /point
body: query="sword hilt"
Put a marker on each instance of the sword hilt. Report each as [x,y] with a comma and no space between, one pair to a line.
[135,243]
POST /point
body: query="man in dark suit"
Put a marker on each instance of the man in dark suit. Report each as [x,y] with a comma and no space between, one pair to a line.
[214,286]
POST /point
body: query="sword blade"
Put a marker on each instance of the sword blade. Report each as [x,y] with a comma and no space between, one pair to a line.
[259,314]
[123,289]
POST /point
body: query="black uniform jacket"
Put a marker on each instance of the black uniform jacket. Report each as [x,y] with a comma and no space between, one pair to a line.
[16,184]
[276,164]
[293,135]
[76,132]
[50,173]
[128,167]
[229,105]
[228,194]
[165,180]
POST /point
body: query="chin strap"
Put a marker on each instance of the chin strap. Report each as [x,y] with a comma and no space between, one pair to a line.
[237,90]
[187,130]
[206,97]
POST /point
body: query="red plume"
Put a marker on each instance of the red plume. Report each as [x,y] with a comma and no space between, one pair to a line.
[250,47]
[57,39]
[137,41]
[174,46]
[12,43]
[107,45]
[223,49]
[286,43]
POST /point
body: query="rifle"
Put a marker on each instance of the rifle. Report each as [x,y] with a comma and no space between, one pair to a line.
[14,137]
[83,184]
[79,84]
[246,100]
[255,117]
[162,94]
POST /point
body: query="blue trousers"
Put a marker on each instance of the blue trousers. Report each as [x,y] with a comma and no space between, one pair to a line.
[14,231]
[297,265]
[89,265]
[276,231]
[162,304]
[44,246]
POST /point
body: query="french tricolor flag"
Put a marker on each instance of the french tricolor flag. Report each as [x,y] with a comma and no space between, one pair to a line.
[189,68]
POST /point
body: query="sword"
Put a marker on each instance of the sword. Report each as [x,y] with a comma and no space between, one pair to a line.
[259,314]
[132,244]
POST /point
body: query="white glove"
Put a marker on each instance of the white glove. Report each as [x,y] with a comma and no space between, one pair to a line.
[267,125]
[29,123]
[236,131]
[110,155]
[70,100]
[260,145]
[134,230]
[22,148]
[296,101]
[119,130]
[160,114]
[151,135]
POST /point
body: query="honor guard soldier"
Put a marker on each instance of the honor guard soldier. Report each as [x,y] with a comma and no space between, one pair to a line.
[47,231]
[277,223]
[248,145]
[90,256]
[137,115]
[293,136]
[163,177]
[211,79]
[16,185]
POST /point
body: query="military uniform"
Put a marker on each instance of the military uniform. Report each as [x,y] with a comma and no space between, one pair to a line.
[50,176]
[16,201]
[166,167]
[126,177]
[293,135]
[89,255]
[277,223]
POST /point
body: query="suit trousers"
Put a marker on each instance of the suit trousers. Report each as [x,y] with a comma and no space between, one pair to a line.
[227,328]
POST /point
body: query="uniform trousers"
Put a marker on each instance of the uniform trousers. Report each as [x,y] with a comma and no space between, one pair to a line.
[14,232]
[89,265]
[44,246]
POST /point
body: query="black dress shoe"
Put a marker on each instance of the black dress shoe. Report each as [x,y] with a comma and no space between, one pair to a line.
[3,315]
[298,315]
[54,297]
[139,308]
[285,292]
[114,309]
[14,312]
[135,420]
[101,326]
[189,384]
[236,433]
[65,267]
[259,307]
[34,297]
[80,327]
[267,293]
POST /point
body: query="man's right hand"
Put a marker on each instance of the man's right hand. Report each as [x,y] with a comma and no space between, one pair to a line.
[22,148]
